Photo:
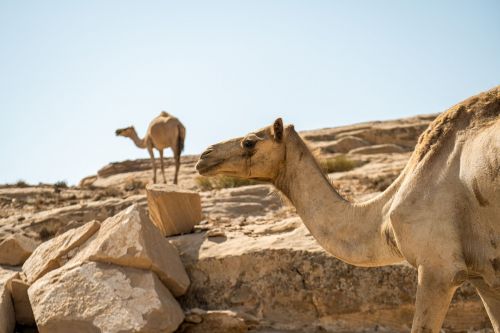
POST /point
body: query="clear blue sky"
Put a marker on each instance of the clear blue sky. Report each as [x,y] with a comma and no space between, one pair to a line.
[71,72]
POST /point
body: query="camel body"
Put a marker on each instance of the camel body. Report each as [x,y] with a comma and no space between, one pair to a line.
[164,131]
[442,214]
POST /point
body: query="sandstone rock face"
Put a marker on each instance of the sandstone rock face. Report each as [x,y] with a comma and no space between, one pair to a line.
[51,254]
[387,148]
[96,297]
[16,249]
[7,316]
[200,321]
[276,273]
[119,173]
[131,240]
[172,210]
[46,224]
[343,145]
[22,307]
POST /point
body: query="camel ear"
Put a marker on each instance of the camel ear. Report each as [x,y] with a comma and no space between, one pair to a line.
[278,130]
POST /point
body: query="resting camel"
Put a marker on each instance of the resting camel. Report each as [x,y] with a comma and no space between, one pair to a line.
[442,214]
[163,132]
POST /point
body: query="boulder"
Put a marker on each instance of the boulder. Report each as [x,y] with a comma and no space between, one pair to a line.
[22,307]
[97,297]
[7,316]
[51,254]
[173,210]
[129,239]
[16,249]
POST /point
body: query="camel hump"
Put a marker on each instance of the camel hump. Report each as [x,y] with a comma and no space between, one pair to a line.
[475,112]
[164,114]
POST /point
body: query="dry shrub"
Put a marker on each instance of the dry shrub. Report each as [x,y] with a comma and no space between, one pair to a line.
[337,164]
[21,183]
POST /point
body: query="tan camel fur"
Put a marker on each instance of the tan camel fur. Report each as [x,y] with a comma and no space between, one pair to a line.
[164,131]
[442,214]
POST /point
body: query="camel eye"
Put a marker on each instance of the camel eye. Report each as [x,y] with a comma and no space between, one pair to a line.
[249,144]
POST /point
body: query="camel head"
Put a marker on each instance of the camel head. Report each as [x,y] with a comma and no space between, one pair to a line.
[257,155]
[126,132]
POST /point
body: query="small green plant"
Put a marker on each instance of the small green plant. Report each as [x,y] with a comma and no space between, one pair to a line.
[222,181]
[337,164]
[204,183]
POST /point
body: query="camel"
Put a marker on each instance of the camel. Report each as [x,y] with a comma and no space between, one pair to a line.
[441,215]
[163,132]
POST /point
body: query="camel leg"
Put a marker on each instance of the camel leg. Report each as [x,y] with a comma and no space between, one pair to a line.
[177,157]
[491,301]
[161,165]
[152,156]
[434,293]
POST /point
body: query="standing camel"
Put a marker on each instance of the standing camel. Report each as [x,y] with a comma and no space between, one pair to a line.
[442,214]
[163,132]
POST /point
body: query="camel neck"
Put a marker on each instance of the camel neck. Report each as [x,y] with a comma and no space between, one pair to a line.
[354,233]
[140,143]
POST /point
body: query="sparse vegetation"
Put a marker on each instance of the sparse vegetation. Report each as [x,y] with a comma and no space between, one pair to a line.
[222,181]
[61,184]
[337,164]
[21,183]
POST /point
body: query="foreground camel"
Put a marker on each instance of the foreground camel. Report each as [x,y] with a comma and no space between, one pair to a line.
[163,132]
[442,214]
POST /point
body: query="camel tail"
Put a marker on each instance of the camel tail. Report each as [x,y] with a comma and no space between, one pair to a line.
[181,135]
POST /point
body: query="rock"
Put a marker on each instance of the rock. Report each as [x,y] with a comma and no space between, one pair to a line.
[254,200]
[172,210]
[387,148]
[97,297]
[50,255]
[7,316]
[343,145]
[87,181]
[213,321]
[48,223]
[288,282]
[129,239]
[22,306]
[139,165]
[16,249]
[216,233]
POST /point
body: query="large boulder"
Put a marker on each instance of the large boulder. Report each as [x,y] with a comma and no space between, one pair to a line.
[53,253]
[129,239]
[173,210]
[97,297]
[16,249]
[7,316]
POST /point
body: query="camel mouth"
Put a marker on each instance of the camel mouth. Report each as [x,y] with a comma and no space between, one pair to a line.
[118,132]
[206,168]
